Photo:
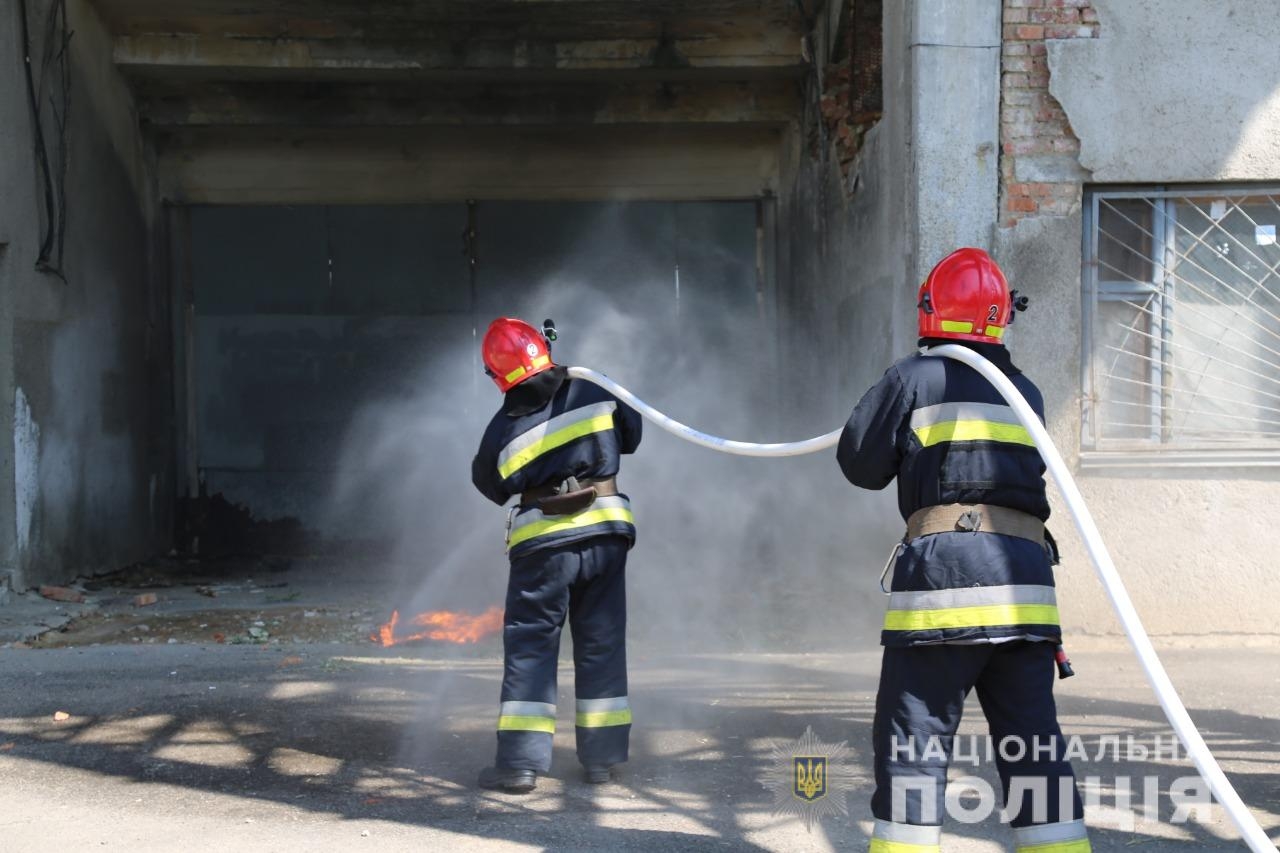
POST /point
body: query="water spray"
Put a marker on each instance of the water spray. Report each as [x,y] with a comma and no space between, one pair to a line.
[1250,831]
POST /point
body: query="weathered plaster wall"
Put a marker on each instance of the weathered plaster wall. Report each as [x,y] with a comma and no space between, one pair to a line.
[924,182]
[1174,91]
[855,248]
[87,486]
[1167,92]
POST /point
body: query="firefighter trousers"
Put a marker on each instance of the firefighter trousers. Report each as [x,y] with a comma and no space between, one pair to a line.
[918,708]
[586,582]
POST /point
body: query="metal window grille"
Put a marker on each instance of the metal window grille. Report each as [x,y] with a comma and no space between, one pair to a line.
[1182,320]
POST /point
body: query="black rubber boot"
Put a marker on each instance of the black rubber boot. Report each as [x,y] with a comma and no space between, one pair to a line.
[597,774]
[507,779]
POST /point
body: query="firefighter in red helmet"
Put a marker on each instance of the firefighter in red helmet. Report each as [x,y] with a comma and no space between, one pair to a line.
[556,445]
[972,603]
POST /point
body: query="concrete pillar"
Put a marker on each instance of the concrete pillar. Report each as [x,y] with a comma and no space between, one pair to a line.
[954,66]
[17,186]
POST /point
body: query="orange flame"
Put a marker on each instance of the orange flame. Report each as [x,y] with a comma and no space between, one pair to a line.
[446,625]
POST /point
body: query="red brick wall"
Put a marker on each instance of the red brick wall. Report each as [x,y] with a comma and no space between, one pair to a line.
[852,97]
[1033,125]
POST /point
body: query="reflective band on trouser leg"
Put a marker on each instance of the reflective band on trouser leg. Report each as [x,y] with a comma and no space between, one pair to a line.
[604,730]
[1069,836]
[556,432]
[968,422]
[972,607]
[599,713]
[527,717]
[532,524]
[905,838]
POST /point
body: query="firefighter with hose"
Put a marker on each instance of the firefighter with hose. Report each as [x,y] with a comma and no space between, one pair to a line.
[556,444]
[971,601]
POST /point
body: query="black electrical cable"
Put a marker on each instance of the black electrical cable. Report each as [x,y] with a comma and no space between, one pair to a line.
[42,158]
[57,24]
[54,225]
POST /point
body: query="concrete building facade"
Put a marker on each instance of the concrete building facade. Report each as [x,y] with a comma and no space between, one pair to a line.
[86,353]
[210,306]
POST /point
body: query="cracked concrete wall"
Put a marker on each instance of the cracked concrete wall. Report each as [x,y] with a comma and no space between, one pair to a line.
[1167,92]
[88,485]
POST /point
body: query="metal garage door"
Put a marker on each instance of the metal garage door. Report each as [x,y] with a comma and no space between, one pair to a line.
[322,338]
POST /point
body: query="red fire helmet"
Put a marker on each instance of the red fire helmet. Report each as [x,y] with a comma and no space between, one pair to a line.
[966,298]
[513,351]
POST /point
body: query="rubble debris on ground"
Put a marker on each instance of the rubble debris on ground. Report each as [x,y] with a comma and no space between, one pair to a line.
[262,600]
[211,525]
[62,593]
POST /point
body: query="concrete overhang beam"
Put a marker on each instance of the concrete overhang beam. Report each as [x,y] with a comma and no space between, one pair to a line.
[415,165]
[745,50]
[361,105]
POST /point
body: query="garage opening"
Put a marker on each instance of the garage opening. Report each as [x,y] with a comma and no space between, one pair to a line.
[322,337]
[345,194]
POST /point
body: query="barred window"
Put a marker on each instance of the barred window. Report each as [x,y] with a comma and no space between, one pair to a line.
[1182,323]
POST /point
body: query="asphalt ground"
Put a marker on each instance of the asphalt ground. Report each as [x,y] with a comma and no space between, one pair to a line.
[323,746]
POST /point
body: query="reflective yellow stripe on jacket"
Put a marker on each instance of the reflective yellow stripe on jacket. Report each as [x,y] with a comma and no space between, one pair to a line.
[556,432]
[968,422]
[972,607]
[532,523]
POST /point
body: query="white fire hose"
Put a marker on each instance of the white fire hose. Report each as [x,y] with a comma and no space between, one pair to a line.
[1250,830]
[688,433]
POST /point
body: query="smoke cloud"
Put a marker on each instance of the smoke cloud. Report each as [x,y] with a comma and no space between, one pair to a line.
[732,553]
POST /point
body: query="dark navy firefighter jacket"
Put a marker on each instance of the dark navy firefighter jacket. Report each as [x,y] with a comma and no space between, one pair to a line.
[946,434]
[551,428]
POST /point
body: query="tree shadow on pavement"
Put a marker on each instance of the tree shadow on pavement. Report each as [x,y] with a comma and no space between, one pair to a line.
[392,737]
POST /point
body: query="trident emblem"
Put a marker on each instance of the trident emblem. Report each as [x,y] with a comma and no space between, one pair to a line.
[811,777]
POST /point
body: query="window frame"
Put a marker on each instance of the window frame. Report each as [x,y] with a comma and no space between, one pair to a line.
[1157,451]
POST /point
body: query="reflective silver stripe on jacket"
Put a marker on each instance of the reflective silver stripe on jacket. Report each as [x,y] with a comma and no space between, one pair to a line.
[972,596]
[947,412]
[531,437]
[533,524]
